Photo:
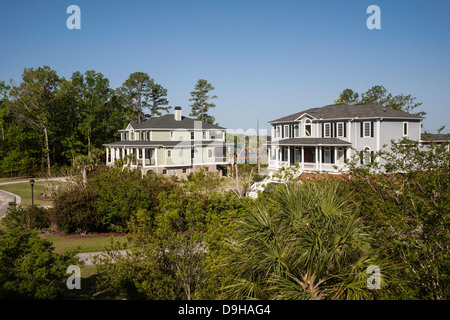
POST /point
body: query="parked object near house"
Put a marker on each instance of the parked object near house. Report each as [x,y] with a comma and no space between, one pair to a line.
[320,139]
[172,145]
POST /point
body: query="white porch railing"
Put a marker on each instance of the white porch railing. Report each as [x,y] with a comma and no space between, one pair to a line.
[307,166]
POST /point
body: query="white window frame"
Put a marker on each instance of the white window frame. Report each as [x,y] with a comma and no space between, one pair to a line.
[204,135]
[286,134]
[327,150]
[208,151]
[325,130]
[171,135]
[340,124]
[364,129]
[367,155]
[308,122]
[403,129]
[296,130]
[277,131]
[340,159]
[169,153]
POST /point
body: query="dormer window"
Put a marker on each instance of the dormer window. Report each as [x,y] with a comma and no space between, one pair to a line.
[308,128]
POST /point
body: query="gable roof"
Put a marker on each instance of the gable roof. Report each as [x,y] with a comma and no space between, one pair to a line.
[346,111]
[168,122]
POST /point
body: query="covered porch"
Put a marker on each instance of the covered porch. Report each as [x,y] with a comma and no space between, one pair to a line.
[310,155]
[141,157]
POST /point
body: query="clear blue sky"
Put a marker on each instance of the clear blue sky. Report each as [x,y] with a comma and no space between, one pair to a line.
[267,59]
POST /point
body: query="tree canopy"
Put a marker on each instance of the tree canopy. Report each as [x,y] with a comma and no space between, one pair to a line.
[201,105]
[380,95]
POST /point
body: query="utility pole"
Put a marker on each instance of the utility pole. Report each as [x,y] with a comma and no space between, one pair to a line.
[257,147]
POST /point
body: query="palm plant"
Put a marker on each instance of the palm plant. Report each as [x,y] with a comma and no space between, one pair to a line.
[311,245]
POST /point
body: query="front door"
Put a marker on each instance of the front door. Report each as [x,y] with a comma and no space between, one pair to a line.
[309,154]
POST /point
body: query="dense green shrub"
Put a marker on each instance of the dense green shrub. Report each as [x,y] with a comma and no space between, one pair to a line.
[191,229]
[121,192]
[29,217]
[74,211]
[28,267]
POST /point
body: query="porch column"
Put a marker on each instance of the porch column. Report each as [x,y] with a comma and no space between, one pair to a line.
[289,157]
[156,159]
[335,157]
[303,159]
[143,157]
[316,152]
[107,155]
[320,158]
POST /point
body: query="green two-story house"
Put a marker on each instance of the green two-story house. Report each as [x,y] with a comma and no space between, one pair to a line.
[171,145]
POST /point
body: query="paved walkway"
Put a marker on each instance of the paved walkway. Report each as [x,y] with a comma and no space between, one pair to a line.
[88,257]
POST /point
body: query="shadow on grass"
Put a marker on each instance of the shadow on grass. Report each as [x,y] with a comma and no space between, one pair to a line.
[88,290]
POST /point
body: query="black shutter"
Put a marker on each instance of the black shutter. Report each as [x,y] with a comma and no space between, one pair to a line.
[371,156]
[361,154]
[323,130]
[332,154]
[282,131]
[323,154]
[335,130]
[345,129]
[361,127]
[371,129]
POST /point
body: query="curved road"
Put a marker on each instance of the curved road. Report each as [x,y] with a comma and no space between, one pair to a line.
[7,197]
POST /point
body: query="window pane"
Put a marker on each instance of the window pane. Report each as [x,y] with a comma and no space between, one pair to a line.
[367,129]
[327,129]
[308,130]
[340,130]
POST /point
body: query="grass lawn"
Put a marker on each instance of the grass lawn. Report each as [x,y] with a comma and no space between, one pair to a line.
[24,191]
[83,244]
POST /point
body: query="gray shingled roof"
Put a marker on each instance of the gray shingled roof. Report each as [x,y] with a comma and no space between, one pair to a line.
[434,137]
[134,143]
[168,122]
[311,142]
[346,111]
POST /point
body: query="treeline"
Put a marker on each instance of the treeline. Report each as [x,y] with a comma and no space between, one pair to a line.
[46,121]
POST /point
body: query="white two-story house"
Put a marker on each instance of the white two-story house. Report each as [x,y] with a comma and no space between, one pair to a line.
[320,139]
[171,145]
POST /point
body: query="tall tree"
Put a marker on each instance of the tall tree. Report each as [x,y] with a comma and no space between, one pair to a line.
[34,100]
[201,105]
[93,93]
[135,90]
[157,100]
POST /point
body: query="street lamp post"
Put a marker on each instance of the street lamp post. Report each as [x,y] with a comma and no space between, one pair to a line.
[32,196]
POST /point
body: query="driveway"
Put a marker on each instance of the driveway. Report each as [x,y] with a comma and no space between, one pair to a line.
[5,198]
